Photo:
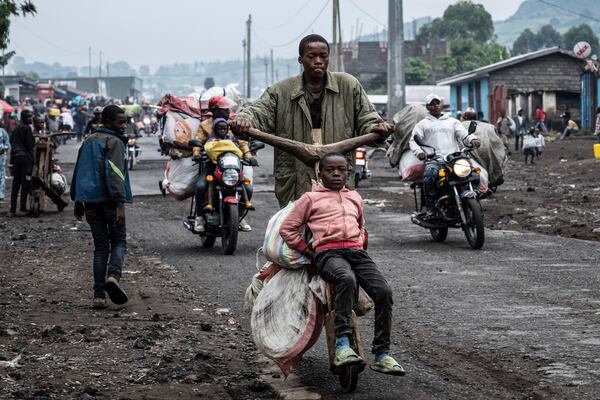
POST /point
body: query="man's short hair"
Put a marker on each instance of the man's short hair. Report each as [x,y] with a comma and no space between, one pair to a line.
[311,39]
[329,155]
[110,112]
[26,113]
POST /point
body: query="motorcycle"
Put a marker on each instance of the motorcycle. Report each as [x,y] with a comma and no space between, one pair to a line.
[133,152]
[457,201]
[227,197]
[361,166]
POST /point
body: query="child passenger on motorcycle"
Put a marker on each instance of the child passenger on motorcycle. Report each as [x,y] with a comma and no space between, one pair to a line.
[335,217]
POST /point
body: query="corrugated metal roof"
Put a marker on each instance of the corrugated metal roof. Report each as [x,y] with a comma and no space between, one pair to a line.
[485,70]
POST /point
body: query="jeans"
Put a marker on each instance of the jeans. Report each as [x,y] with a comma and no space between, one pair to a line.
[344,268]
[518,138]
[110,240]
[541,126]
[22,169]
[429,181]
[566,133]
[2,175]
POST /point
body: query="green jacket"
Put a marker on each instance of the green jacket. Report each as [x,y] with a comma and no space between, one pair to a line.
[282,110]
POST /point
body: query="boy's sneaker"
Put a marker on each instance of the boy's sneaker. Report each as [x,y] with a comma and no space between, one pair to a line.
[245,226]
[114,291]
[99,303]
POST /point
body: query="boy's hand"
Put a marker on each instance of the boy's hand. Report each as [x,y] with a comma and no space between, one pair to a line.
[78,211]
[310,254]
[120,219]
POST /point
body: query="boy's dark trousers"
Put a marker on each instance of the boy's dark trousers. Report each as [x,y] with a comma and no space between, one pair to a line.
[344,268]
[22,169]
[109,241]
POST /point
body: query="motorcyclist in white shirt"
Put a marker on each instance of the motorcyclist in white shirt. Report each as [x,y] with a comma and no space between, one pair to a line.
[444,134]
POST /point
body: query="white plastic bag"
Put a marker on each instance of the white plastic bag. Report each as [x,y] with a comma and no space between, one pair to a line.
[58,183]
[410,167]
[181,177]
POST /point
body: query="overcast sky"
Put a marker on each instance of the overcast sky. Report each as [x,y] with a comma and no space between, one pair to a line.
[155,32]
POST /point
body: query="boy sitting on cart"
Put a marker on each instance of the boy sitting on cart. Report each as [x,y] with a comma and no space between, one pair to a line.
[335,217]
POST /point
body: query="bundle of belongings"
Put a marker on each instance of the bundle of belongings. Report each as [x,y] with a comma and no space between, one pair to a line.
[285,300]
[180,119]
[490,157]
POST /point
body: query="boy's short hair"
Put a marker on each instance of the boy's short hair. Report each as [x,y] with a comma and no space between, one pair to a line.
[311,39]
[110,112]
[329,155]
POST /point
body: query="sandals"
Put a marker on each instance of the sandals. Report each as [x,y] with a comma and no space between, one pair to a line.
[389,366]
[345,355]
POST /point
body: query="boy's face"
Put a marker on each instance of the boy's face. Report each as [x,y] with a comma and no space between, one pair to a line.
[334,172]
[221,129]
[38,124]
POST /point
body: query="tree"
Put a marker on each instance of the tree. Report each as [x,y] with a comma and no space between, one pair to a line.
[548,37]
[8,9]
[580,33]
[416,71]
[466,55]
[29,75]
[209,82]
[525,43]
[461,20]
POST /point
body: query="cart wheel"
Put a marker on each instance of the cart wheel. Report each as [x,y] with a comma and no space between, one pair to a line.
[36,205]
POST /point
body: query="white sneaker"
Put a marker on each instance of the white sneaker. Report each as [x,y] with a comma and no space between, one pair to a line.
[199,225]
[244,226]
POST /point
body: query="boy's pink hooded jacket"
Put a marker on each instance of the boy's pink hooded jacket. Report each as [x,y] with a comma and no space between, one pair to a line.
[335,218]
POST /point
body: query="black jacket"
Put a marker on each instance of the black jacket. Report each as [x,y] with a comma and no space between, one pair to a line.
[22,141]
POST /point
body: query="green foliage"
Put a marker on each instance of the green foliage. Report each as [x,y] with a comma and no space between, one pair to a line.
[528,41]
[416,71]
[580,33]
[466,55]
[29,74]
[8,9]
[462,20]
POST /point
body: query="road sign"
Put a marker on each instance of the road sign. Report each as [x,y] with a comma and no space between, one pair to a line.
[582,49]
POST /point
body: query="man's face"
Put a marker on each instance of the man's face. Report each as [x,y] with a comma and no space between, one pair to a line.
[119,124]
[315,59]
[434,108]
[38,124]
[334,172]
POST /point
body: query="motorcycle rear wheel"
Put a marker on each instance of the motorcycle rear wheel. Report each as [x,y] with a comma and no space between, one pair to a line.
[474,229]
[439,234]
[230,231]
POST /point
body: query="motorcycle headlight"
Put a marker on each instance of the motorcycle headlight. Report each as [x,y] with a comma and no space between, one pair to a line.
[230,177]
[131,142]
[462,168]
[147,121]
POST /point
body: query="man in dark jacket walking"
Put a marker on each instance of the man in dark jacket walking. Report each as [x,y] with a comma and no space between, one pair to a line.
[22,145]
[100,188]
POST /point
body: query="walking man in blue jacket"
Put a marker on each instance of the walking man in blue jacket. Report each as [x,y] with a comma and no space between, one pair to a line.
[100,188]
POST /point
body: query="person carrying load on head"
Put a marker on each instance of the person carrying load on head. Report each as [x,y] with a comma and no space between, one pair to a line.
[220,107]
[442,133]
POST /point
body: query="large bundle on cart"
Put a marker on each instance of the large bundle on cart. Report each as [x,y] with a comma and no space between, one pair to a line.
[491,156]
[180,119]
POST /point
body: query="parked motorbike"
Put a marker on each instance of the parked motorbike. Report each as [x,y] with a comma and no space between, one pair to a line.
[457,204]
[361,165]
[133,152]
[227,197]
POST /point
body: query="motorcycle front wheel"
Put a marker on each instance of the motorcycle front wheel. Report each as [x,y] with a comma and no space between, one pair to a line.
[474,229]
[230,230]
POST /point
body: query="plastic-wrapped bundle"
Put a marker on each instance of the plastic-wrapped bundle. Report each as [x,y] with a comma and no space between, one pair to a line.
[492,153]
[58,182]
[181,177]
[179,128]
[286,318]
[275,248]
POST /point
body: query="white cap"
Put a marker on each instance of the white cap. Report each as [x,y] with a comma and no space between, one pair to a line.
[431,97]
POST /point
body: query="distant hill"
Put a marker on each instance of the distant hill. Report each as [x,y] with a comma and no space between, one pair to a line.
[533,14]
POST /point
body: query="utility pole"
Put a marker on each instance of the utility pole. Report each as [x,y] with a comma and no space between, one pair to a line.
[395,79]
[100,66]
[244,64]
[266,72]
[248,57]
[90,60]
[272,69]
[340,61]
[335,38]
[288,70]
[107,70]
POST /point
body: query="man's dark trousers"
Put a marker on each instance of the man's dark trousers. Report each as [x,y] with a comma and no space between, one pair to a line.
[22,169]
[344,268]
[110,240]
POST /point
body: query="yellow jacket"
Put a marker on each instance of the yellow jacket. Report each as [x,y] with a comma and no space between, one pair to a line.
[206,130]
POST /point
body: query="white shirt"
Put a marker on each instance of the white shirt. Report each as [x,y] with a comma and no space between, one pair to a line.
[443,134]
[67,119]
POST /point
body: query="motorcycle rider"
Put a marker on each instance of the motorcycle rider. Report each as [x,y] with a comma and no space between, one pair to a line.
[220,107]
[443,133]
[95,122]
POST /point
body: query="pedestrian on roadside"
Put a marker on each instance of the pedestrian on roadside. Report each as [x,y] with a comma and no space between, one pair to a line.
[80,121]
[505,127]
[565,117]
[521,123]
[540,118]
[597,130]
[530,144]
[569,129]
[541,145]
[22,145]
[335,216]
[95,122]
[4,149]
[100,188]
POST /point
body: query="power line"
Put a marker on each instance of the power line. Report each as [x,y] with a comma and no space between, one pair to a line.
[47,42]
[289,19]
[367,14]
[301,34]
[569,10]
